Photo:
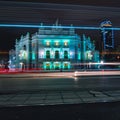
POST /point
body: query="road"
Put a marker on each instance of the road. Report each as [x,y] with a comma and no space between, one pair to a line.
[36,83]
[59,97]
[57,88]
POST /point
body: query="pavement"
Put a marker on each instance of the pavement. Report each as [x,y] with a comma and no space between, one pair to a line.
[57,97]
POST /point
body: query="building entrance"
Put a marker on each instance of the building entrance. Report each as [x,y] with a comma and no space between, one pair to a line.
[47,66]
[65,66]
[57,66]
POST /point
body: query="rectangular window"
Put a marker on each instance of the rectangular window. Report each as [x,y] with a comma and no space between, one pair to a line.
[48,43]
[56,43]
[65,43]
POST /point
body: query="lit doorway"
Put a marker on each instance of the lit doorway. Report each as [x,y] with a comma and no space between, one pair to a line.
[47,66]
[56,65]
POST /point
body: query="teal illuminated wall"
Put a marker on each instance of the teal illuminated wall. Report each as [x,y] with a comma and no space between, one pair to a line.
[33,56]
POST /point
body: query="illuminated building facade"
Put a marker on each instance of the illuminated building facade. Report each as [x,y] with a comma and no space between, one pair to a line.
[54,49]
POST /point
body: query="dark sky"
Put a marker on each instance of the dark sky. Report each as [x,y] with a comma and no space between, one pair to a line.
[109,3]
[76,12]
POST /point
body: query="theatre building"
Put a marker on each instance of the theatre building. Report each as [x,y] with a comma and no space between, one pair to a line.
[54,49]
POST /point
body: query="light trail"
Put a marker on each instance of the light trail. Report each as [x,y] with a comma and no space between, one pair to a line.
[96,63]
[96,73]
[60,27]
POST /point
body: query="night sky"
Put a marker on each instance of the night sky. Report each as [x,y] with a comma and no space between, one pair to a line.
[109,3]
[77,12]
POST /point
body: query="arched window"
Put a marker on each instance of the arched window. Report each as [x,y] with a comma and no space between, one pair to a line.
[57,65]
[24,47]
[57,54]
[47,54]
[47,66]
[66,54]
[65,66]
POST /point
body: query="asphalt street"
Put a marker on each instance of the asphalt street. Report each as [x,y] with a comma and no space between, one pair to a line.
[35,82]
[47,97]
[57,88]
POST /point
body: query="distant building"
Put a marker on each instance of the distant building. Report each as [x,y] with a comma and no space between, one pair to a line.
[3,59]
[107,35]
[107,40]
[12,59]
[54,49]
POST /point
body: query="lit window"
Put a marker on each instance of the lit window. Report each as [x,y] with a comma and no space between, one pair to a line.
[48,43]
[66,66]
[56,43]
[66,43]
[47,66]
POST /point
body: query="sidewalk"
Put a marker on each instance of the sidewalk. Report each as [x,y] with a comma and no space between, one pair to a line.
[58,98]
